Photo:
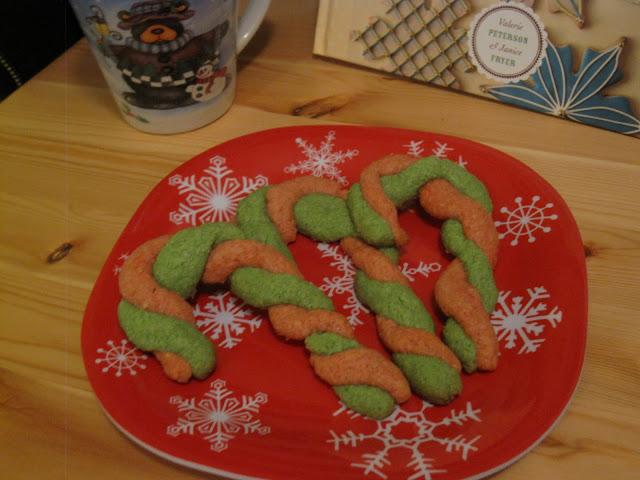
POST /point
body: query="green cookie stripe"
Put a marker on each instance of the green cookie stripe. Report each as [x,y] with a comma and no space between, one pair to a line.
[253,219]
[393,301]
[370,226]
[323,218]
[430,378]
[371,401]
[476,264]
[264,289]
[181,262]
[151,331]
[329,343]
[454,336]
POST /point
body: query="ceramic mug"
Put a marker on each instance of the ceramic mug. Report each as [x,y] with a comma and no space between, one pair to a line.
[170,64]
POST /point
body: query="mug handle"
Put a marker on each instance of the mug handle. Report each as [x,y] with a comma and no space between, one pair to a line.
[249,22]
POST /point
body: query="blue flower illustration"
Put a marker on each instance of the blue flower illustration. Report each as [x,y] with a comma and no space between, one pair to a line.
[558,91]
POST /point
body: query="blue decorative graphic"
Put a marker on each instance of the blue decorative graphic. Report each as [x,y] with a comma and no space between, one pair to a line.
[558,91]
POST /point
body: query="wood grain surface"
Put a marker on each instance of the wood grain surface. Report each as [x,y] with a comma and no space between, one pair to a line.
[73,173]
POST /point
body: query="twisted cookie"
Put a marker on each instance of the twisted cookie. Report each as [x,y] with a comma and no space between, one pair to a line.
[466,290]
[316,207]
[363,378]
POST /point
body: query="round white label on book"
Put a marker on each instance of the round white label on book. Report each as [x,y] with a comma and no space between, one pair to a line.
[507,41]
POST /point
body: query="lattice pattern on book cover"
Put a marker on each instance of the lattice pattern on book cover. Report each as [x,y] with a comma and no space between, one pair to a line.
[419,40]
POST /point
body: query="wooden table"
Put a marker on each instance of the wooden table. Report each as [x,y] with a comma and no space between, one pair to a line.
[73,173]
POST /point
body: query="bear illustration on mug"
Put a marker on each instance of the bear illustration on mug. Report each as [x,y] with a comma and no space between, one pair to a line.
[165,64]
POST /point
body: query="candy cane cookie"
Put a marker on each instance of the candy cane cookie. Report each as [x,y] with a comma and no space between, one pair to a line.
[262,277]
[316,207]
[466,290]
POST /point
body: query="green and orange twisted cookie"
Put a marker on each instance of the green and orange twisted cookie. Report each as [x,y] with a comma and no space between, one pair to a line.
[466,290]
[316,208]
[169,270]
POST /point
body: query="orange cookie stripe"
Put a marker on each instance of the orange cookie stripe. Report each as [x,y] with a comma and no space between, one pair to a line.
[375,195]
[296,323]
[375,264]
[401,339]
[140,288]
[362,366]
[232,254]
[442,200]
[458,299]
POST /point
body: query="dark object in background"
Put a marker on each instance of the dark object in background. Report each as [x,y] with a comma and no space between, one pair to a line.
[32,35]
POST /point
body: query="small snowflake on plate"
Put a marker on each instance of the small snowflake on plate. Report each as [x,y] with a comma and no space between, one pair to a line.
[118,266]
[322,161]
[519,322]
[214,196]
[219,416]
[415,148]
[524,220]
[119,358]
[342,284]
[414,431]
[424,269]
[225,318]
[441,150]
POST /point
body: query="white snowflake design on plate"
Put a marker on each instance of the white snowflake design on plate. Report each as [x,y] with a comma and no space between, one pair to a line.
[525,220]
[225,318]
[119,358]
[322,161]
[441,150]
[517,322]
[219,416]
[342,284]
[214,196]
[412,431]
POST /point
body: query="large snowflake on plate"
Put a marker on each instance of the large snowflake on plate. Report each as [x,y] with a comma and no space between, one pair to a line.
[218,417]
[225,318]
[342,284]
[414,432]
[322,161]
[525,220]
[558,91]
[119,358]
[214,196]
[520,322]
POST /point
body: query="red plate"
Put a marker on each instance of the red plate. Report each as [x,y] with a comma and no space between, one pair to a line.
[263,413]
